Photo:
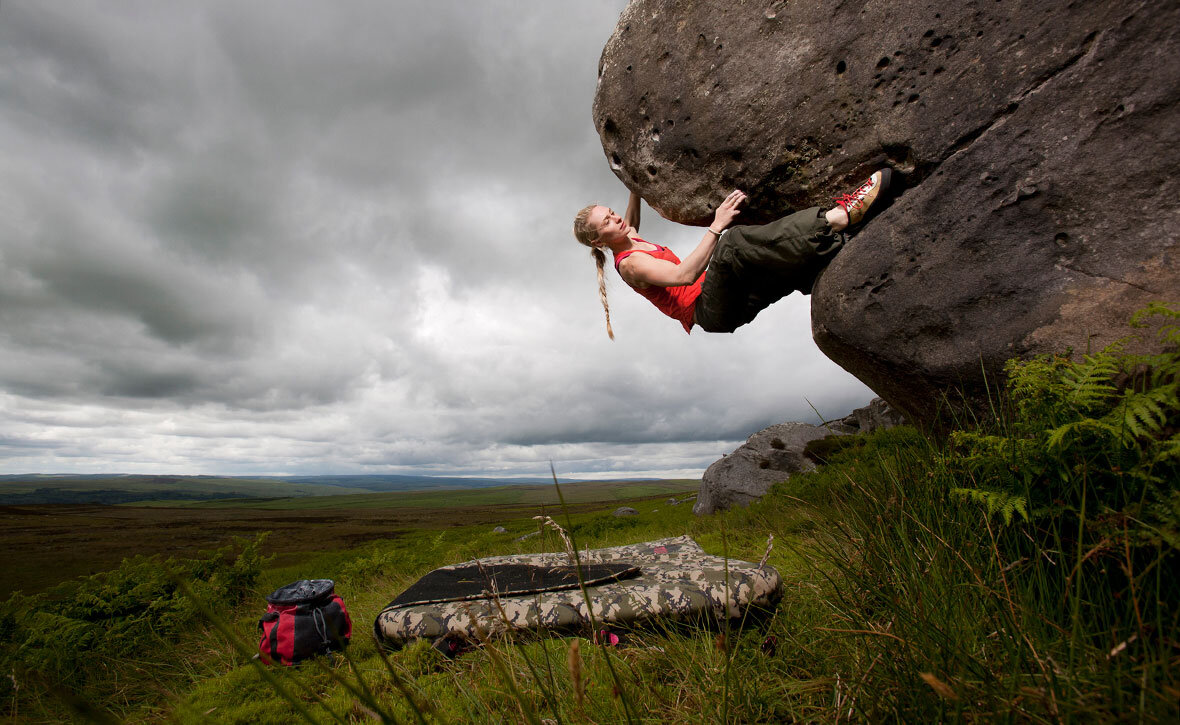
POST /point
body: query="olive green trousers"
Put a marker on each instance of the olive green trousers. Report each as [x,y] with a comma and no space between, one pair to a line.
[755,266]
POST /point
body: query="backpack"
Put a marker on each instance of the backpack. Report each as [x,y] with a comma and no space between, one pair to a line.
[303,619]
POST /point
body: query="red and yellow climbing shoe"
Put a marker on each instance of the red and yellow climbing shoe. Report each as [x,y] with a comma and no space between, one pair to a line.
[858,203]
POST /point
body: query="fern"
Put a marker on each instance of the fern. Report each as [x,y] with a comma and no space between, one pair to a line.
[1059,437]
[71,634]
[1168,451]
[1146,414]
[1005,504]
[1096,435]
[1090,383]
[1169,332]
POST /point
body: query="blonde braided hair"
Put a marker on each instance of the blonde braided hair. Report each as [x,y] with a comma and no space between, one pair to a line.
[586,234]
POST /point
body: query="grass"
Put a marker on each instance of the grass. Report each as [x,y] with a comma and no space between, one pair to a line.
[588,492]
[138,487]
[52,543]
[902,603]
[1017,570]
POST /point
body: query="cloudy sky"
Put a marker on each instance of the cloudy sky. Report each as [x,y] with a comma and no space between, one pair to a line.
[324,237]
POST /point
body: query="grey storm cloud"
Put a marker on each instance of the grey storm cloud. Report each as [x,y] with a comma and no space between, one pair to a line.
[297,237]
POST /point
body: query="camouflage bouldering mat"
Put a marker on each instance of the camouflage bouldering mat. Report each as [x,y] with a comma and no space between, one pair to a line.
[670,578]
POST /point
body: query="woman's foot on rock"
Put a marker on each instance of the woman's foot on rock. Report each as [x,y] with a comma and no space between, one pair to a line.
[869,197]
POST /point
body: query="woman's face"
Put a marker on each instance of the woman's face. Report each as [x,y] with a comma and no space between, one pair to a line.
[609,224]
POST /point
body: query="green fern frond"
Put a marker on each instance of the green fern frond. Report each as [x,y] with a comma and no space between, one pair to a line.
[1169,450]
[1090,382]
[1169,333]
[1144,414]
[1058,436]
[980,444]
[996,502]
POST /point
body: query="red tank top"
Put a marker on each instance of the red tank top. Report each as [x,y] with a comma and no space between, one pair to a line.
[675,302]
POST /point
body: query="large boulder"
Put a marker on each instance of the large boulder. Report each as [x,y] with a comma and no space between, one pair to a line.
[1038,143]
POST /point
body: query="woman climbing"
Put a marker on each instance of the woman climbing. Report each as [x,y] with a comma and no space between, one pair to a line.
[749,267]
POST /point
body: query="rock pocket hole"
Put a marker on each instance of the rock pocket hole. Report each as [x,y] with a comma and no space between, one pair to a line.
[651,171]
[883,63]
[841,67]
[1061,239]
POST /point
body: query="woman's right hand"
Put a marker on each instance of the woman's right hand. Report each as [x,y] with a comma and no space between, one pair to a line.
[728,210]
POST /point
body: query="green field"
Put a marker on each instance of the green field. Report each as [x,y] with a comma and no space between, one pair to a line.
[50,543]
[902,603]
[116,489]
[498,496]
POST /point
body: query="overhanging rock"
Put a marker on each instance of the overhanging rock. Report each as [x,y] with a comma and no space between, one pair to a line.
[1039,142]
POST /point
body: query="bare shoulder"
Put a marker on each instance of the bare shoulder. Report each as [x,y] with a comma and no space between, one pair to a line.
[636,267]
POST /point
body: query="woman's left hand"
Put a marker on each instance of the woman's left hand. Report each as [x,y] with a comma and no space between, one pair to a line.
[728,210]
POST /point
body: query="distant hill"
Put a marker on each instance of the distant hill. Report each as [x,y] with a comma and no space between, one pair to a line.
[39,488]
[389,483]
[115,489]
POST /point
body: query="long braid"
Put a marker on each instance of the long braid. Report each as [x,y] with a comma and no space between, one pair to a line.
[585,234]
[600,262]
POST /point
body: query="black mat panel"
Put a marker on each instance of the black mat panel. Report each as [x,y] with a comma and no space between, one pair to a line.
[471,582]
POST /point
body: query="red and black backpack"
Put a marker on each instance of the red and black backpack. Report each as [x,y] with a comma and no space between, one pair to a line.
[303,619]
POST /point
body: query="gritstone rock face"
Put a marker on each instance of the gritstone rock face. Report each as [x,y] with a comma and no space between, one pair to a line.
[1038,143]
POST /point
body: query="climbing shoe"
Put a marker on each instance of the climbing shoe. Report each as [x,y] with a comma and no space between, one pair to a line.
[870,196]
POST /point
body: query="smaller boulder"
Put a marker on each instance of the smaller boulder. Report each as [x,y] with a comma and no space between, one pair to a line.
[767,457]
[499,530]
[877,414]
[821,450]
[773,454]
[625,511]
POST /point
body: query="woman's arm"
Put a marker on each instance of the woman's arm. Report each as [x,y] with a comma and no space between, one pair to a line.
[631,216]
[644,270]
